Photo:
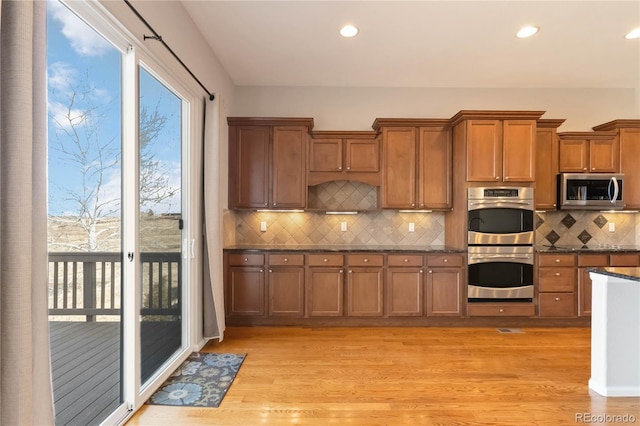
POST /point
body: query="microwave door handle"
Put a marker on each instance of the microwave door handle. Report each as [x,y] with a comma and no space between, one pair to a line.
[616,189]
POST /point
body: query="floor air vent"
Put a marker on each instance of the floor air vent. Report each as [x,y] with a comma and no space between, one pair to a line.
[510,330]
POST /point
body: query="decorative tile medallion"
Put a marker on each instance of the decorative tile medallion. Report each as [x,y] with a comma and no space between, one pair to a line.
[568,221]
[552,237]
[584,237]
[600,221]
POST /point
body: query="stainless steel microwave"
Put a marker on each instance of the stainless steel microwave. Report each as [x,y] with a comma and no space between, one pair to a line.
[590,191]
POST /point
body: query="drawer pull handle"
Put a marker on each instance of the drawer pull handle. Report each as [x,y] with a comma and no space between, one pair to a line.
[500,310]
[366,260]
[446,260]
[286,260]
[325,260]
[261,271]
[270,270]
[406,260]
[557,274]
[557,260]
[350,271]
[557,299]
[246,260]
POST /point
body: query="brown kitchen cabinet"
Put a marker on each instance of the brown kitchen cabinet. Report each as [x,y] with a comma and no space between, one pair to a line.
[557,285]
[285,285]
[245,285]
[405,285]
[365,285]
[628,136]
[351,155]
[499,146]
[445,284]
[416,164]
[546,164]
[324,285]
[587,261]
[588,152]
[267,162]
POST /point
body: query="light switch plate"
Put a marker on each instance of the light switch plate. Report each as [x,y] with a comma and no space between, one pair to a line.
[412,227]
[263,226]
[343,226]
[612,227]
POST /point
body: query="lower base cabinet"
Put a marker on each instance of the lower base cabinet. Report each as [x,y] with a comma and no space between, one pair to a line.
[324,285]
[246,285]
[285,284]
[444,292]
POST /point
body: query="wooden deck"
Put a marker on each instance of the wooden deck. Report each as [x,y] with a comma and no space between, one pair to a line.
[85,361]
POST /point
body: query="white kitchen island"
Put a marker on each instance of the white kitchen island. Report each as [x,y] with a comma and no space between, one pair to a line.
[615,332]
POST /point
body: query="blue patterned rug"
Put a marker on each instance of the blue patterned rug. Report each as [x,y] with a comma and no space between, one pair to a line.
[201,381]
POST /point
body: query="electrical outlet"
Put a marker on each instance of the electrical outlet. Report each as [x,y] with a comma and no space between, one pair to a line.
[263,226]
[612,227]
[343,226]
[412,227]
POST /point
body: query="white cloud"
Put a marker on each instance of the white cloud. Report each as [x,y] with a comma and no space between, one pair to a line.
[84,40]
[61,77]
[63,118]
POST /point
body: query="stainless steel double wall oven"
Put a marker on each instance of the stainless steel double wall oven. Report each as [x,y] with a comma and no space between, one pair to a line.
[500,237]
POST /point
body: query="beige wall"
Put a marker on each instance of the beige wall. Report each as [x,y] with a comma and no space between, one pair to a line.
[355,108]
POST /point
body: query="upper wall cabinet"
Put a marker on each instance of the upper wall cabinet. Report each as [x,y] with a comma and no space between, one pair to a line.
[589,152]
[267,162]
[416,163]
[499,145]
[344,156]
[628,137]
[546,163]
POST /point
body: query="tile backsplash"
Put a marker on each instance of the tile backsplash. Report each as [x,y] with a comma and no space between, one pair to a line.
[383,227]
[575,227]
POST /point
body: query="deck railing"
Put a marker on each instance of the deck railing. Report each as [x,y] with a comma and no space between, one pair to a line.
[89,284]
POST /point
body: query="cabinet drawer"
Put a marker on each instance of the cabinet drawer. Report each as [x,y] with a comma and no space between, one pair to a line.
[444,260]
[286,259]
[593,260]
[624,259]
[365,259]
[325,259]
[500,310]
[244,259]
[557,279]
[556,260]
[405,260]
[557,305]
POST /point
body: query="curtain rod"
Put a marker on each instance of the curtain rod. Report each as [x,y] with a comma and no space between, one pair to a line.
[158,37]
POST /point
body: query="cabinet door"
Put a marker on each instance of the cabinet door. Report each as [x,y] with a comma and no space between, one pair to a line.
[399,168]
[405,291]
[365,292]
[444,292]
[362,155]
[573,156]
[289,171]
[246,291]
[250,168]
[546,169]
[286,291]
[325,155]
[604,156]
[629,154]
[484,150]
[518,150]
[557,305]
[434,168]
[324,292]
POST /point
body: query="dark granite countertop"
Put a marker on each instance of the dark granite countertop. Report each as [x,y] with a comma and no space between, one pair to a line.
[628,273]
[344,248]
[588,249]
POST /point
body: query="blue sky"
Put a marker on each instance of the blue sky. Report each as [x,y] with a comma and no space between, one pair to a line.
[85,102]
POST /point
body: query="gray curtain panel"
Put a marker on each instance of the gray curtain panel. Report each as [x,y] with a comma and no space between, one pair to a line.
[25,379]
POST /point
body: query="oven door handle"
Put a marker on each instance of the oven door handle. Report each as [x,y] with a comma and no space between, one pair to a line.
[474,259]
[499,256]
[506,203]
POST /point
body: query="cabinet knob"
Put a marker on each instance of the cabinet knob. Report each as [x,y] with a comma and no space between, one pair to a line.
[557,299]
[350,271]
[557,274]
[430,271]
[325,260]
[421,204]
[274,204]
[246,259]
[557,260]
[339,167]
[500,310]
[270,270]
[261,271]
[413,204]
[266,204]
[341,271]
[584,169]
[348,168]
[366,260]
[593,168]
[497,177]
[286,259]
[445,260]
[506,178]
[405,260]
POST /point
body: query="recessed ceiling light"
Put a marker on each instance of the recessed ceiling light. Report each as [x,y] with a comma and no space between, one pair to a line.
[633,34]
[527,32]
[348,31]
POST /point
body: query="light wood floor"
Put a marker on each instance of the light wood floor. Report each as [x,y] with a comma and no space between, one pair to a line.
[403,376]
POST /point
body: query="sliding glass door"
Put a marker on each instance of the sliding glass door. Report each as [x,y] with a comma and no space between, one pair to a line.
[161,223]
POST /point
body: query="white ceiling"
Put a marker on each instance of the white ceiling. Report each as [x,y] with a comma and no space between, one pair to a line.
[452,43]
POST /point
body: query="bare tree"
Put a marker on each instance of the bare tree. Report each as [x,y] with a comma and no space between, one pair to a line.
[93,154]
